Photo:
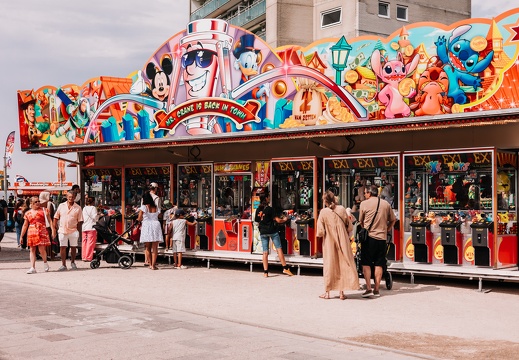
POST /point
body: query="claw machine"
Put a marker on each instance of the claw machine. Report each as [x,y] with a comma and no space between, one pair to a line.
[296,193]
[104,185]
[233,206]
[471,195]
[194,196]
[348,176]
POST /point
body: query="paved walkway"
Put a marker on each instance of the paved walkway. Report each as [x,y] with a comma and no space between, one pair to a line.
[200,313]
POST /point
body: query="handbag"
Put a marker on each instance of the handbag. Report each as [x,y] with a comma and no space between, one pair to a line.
[363,233]
[135,235]
[47,225]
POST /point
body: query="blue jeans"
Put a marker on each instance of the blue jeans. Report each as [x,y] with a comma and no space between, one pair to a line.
[18,232]
[265,241]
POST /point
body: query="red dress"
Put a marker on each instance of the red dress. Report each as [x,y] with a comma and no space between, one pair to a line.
[37,233]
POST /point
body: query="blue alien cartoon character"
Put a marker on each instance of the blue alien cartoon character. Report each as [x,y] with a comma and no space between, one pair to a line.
[461,61]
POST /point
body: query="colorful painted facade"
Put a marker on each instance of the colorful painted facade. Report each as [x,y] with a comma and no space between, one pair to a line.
[214,78]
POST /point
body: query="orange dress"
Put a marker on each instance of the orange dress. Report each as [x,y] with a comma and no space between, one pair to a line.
[37,233]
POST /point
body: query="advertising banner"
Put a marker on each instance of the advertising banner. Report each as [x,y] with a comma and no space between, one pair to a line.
[9,149]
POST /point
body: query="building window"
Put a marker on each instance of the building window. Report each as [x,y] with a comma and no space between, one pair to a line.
[383,9]
[331,17]
[401,12]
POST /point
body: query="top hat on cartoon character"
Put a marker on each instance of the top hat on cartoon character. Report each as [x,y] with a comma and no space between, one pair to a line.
[206,31]
[245,44]
[26,98]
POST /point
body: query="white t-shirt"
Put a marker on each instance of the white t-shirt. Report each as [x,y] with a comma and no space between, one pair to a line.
[179,229]
[89,217]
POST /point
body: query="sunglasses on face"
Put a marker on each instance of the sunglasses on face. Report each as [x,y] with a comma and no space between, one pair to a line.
[202,57]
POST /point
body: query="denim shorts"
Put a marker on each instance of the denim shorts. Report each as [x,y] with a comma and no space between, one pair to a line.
[265,241]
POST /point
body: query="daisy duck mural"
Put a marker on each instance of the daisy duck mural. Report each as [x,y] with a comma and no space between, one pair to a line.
[213,78]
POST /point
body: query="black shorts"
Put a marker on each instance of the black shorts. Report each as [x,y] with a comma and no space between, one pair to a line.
[373,253]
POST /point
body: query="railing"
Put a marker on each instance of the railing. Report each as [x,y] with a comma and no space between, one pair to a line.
[207,8]
[250,13]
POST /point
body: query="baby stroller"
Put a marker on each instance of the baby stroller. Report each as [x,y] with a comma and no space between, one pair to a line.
[386,275]
[111,253]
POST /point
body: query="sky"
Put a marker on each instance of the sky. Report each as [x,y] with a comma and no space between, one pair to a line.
[62,42]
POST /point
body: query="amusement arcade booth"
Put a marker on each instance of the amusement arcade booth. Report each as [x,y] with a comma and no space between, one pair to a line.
[232,216]
[348,176]
[194,196]
[460,207]
[297,195]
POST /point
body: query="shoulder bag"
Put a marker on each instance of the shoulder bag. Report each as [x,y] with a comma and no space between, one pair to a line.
[363,233]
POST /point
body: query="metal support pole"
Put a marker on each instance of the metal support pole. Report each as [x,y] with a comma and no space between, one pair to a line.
[251,266]
[480,286]
[412,278]
[208,263]
[5,176]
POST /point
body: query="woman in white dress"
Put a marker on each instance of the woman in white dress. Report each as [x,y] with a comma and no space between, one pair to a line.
[151,230]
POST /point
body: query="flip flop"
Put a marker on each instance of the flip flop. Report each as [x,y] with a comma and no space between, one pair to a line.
[342,296]
[325,296]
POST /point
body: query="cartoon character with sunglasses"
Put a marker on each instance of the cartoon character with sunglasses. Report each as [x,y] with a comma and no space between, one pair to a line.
[204,68]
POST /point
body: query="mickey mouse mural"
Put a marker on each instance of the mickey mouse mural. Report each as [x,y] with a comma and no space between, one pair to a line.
[160,80]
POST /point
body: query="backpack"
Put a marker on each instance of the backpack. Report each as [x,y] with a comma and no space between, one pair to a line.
[18,218]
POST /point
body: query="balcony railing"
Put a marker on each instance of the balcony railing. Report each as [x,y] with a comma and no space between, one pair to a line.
[250,13]
[207,8]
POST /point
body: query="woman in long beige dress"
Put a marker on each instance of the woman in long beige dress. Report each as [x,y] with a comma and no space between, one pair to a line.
[334,227]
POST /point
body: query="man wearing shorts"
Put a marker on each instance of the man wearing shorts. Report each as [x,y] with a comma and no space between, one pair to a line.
[373,253]
[268,220]
[70,217]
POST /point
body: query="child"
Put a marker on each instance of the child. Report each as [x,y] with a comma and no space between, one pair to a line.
[169,216]
[179,237]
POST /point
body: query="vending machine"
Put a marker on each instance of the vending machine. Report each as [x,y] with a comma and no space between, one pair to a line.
[233,206]
[348,176]
[194,196]
[297,195]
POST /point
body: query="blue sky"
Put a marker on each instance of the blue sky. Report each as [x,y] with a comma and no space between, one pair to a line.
[61,42]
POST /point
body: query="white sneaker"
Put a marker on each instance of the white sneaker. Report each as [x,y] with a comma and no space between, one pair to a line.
[73,266]
[181,267]
[46,267]
[31,271]
[62,268]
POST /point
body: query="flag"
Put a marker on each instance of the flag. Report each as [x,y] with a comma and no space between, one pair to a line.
[61,171]
[21,178]
[9,149]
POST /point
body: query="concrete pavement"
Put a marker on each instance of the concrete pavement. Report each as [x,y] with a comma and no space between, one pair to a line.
[222,313]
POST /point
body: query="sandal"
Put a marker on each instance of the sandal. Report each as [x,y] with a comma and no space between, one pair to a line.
[154,268]
[145,264]
[326,295]
[342,296]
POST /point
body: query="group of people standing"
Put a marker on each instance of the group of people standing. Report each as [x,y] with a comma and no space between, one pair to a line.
[153,233]
[334,229]
[39,223]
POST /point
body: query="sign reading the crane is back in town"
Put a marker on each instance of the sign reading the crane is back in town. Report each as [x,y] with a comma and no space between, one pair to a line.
[214,79]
